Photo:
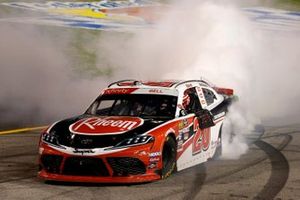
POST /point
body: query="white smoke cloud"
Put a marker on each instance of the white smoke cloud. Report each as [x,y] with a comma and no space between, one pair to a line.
[237,126]
[38,84]
[194,38]
[217,40]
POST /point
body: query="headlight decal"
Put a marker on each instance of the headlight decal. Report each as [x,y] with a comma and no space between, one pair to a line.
[140,140]
[51,139]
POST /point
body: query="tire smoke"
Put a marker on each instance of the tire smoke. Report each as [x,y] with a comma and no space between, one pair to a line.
[192,39]
[38,85]
[216,40]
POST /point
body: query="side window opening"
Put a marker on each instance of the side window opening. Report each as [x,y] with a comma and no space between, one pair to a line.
[209,96]
[193,103]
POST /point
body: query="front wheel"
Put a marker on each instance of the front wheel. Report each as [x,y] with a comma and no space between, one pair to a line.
[169,157]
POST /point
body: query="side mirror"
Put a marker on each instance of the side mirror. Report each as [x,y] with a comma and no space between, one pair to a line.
[205,119]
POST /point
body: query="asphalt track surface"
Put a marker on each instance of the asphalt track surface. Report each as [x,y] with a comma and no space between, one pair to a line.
[269,170]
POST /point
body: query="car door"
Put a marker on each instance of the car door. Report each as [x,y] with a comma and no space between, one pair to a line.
[199,139]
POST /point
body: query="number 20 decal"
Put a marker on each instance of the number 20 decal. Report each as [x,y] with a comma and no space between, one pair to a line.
[201,138]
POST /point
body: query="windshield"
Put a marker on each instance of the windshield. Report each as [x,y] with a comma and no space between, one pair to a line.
[139,105]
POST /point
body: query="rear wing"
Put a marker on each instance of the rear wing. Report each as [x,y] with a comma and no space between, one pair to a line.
[224,91]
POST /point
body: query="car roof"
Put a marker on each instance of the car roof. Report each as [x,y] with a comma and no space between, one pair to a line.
[166,87]
[171,84]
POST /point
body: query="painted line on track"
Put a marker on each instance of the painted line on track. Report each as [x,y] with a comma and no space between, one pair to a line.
[22,130]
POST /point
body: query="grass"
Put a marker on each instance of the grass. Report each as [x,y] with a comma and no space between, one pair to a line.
[288,4]
[85,58]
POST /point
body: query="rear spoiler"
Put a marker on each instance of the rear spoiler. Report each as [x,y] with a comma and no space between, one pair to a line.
[224,91]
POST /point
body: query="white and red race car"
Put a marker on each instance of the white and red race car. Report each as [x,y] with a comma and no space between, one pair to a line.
[137,132]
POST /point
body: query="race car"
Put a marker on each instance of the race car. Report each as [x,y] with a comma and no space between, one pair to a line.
[137,131]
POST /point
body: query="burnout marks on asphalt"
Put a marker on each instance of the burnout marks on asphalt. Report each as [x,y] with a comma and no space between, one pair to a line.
[262,168]
[279,172]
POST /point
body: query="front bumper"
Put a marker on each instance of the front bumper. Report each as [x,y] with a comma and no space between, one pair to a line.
[131,165]
[92,179]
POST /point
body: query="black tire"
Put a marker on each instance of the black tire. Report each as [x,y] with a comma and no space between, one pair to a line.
[218,152]
[169,154]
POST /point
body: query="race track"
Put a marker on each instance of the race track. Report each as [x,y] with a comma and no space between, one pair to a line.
[269,170]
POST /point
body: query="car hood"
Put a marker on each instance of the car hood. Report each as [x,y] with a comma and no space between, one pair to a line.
[102,130]
[102,125]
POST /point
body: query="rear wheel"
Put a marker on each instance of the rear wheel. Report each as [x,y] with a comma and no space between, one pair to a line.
[218,152]
[169,157]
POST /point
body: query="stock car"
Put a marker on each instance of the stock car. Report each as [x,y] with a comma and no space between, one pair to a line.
[137,131]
